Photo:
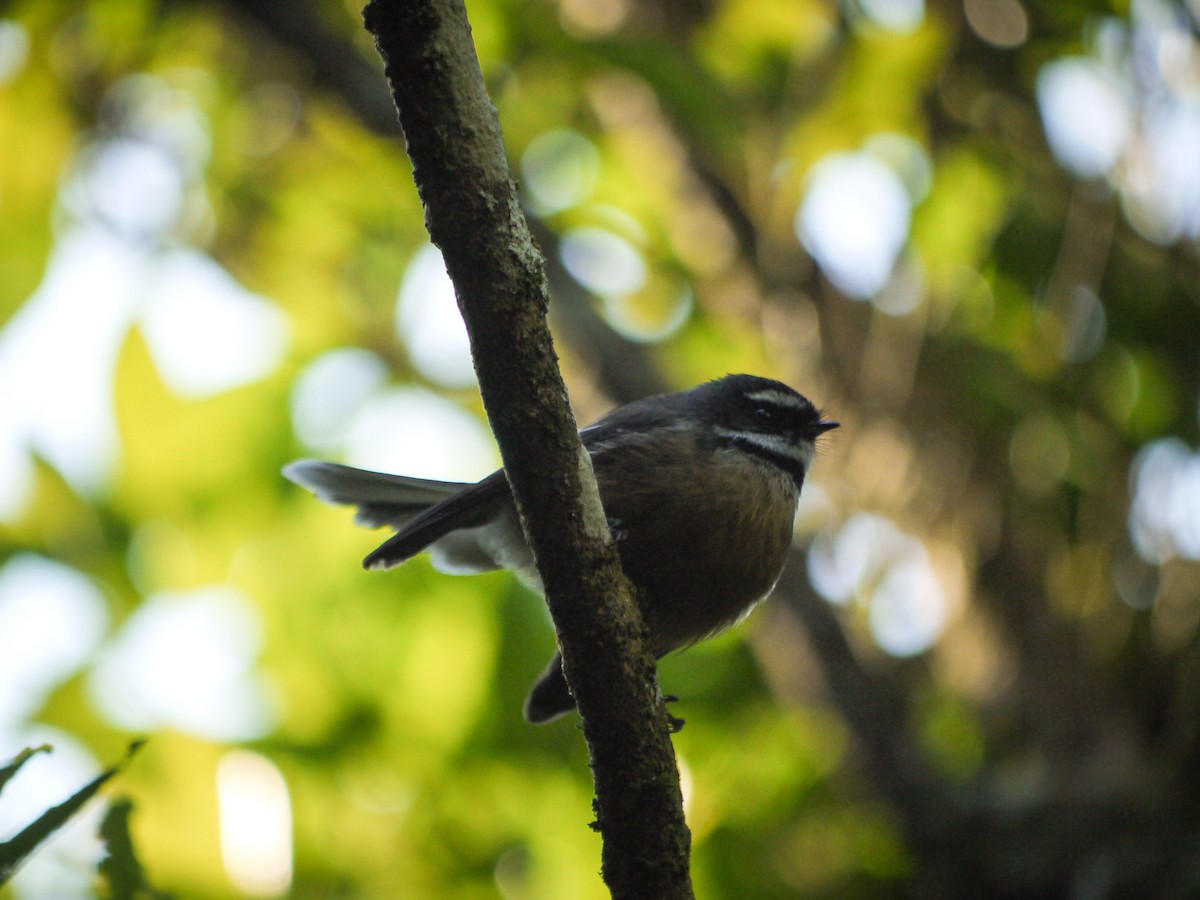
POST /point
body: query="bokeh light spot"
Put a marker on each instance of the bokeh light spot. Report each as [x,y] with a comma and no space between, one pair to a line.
[416,432]
[330,391]
[906,158]
[908,608]
[187,660]
[1086,115]
[1002,23]
[14,49]
[255,813]
[206,333]
[1164,520]
[560,169]
[52,618]
[854,221]
[901,16]
[81,312]
[603,262]
[429,323]
[869,559]
[133,186]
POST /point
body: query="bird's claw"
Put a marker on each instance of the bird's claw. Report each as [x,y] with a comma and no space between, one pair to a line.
[674,724]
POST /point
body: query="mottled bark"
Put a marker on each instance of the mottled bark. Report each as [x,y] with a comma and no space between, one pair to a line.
[472,213]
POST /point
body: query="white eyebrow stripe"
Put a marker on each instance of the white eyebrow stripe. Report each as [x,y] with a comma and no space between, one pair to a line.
[801,453]
[779,398]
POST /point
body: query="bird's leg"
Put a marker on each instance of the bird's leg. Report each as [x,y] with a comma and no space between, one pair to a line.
[674,725]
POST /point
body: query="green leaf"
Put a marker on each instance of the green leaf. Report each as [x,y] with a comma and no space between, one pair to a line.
[120,869]
[15,851]
[14,765]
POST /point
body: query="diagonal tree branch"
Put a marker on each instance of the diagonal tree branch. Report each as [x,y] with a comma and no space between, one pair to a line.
[472,213]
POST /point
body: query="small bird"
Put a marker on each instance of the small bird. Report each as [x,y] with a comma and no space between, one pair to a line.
[700,489]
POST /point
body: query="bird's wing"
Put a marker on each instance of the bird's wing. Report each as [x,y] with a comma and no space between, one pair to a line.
[642,417]
[424,511]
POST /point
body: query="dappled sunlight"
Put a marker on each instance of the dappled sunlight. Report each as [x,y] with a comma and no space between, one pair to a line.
[133,187]
[14,49]
[1002,23]
[560,169]
[854,220]
[256,824]
[206,333]
[1127,113]
[603,262]
[52,619]
[330,392]
[187,661]
[412,431]
[637,303]
[1088,119]
[113,269]
[80,314]
[869,560]
[895,15]
[429,323]
[1165,518]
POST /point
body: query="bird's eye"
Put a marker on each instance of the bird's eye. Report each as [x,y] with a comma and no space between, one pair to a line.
[765,413]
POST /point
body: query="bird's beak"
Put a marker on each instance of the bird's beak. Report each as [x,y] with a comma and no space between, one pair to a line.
[826,425]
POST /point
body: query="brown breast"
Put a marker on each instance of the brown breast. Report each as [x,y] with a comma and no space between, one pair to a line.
[705,534]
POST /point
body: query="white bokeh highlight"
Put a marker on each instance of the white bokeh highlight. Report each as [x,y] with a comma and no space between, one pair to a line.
[52,619]
[1164,519]
[135,187]
[603,262]
[206,333]
[330,391]
[1086,113]
[870,561]
[854,220]
[255,818]
[900,16]
[907,609]
[116,264]
[58,355]
[1162,191]
[187,660]
[413,431]
[429,323]
[1127,111]
[559,170]
[14,49]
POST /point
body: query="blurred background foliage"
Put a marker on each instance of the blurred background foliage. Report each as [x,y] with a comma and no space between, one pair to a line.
[968,229]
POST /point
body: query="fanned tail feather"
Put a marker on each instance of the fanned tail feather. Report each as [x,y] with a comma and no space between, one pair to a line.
[381,499]
[421,510]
